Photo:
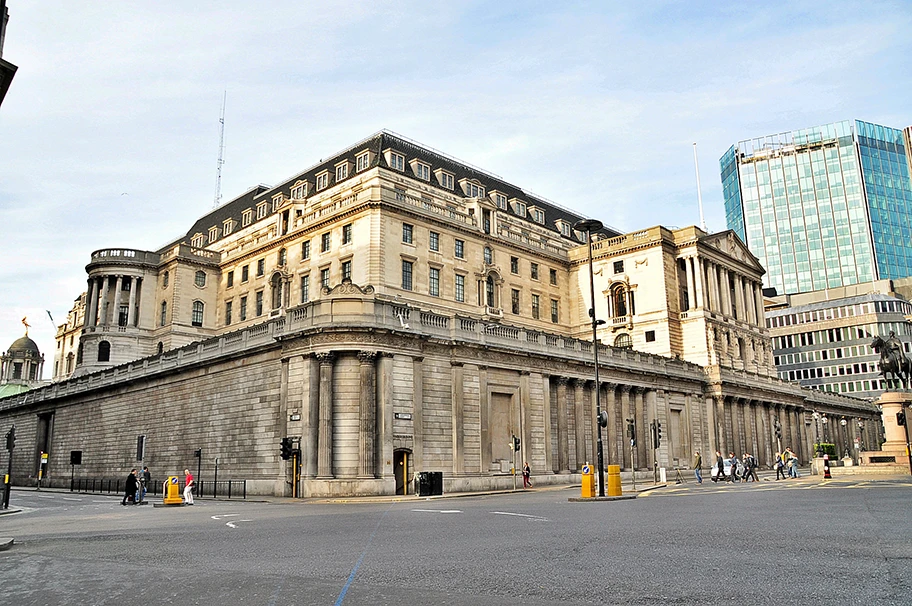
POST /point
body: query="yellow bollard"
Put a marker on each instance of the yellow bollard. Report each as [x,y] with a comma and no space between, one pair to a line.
[588,482]
[614,481]
[172,491]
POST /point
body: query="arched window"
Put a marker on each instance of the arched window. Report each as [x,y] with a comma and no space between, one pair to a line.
[276,284]
[79,355]
[104,351]
[619,300]
[165,280]
[488,255]
[623,340]
[489,291]
[196,318]
[69,363]
[200,279]
[161,347]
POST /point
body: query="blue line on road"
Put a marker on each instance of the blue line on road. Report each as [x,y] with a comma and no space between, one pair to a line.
[354,571]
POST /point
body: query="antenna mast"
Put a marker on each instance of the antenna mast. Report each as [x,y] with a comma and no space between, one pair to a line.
[221,156]
[699,193]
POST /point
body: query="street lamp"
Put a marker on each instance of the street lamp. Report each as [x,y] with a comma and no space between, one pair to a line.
[589,226]
[816,416]
[845,436]
[824,420]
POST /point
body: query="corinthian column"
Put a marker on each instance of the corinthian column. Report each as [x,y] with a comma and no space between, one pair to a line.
[368,417]
[325,451]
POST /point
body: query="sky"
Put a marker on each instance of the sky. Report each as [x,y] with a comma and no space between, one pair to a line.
[109,134]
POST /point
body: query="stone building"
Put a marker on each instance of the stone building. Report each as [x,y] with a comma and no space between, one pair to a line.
[21,366]
[393,309]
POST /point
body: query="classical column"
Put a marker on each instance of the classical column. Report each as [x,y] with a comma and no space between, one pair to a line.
[103,302]
[546,413]
[642,423]
[527,449]
[367,444]
[118,285]
[131,313]
[457,372]
[803,444]
[384,378]
[688,270]
[722,441]
[626,413]
[652,409]
[579,423]
[311,417]
[593,425]
[713,282]
[563,436]
[610,437]
[758,301]
[91,297]
[324,440]
[418,413]
[698,281]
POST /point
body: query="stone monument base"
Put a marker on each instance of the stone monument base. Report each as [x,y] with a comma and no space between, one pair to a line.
[893,453]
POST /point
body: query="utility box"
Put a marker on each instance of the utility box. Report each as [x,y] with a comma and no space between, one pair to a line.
[614,481]
[588,482]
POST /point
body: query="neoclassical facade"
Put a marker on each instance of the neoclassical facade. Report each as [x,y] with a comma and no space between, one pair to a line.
[393,310]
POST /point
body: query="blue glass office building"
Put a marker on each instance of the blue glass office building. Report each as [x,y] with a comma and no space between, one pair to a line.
[823,207]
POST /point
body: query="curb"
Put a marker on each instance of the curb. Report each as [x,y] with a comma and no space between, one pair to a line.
[5,543]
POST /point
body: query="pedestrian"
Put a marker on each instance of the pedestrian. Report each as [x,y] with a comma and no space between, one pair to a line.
[188,487]
[780,467]
[130,489]
[720,468]
[527,476]
[145,480]
[751,466]
[736,474]
[792,464]
[698,467]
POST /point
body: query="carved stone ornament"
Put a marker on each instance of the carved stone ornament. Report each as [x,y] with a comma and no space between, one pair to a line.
[347,287]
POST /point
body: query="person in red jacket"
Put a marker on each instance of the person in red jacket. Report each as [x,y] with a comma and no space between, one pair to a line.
[188,487]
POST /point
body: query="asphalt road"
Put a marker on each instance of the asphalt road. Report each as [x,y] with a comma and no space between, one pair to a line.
[795,542]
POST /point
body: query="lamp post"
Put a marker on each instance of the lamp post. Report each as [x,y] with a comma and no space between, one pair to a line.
[816,416]
[845,436]
[588,226]
[826,436]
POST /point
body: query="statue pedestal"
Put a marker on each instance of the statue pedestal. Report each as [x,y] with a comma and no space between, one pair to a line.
[891,403]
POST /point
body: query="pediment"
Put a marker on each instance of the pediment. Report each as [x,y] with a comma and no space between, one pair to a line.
[728,243]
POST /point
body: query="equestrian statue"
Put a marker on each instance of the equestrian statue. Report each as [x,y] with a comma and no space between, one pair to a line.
[893,361]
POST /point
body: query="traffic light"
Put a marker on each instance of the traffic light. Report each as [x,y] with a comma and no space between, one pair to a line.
[603,419]
[286,448]
[198,453]
[658,441]
[631,432]
[516,444]
[11,438]
[778,430]
[901,418]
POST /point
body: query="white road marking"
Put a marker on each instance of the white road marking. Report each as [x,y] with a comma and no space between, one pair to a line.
[438,510]
[520,515]
[71,499]
[224,515]
[233,525]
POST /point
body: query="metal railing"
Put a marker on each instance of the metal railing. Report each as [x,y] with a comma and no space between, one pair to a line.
[231,489]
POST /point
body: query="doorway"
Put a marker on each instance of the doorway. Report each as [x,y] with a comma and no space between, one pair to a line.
[402,462]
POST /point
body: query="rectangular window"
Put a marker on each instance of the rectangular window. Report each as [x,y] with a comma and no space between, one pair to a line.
[346,270]
[501,202]
[230,279]
[347,234]
[459,249]
[535,307]
[538,215]
[422,171]
[407,275]
[242,313]
[460,288]
[407,233]
[322,181]
[552,276]
[245,273]
[514,265]
[259,303]
[246,217]
[228,305]
[397,161]
[261,210]
[447,181]
[213,234]
[514,301]
[362,161]
[305,288]
[325,242]
[521,209]
[618,267]
[305,250]
[434,282]
[534,269]
[555,318]
[434,241]
[324,277]
[341,172]
[298,192]
[261,267]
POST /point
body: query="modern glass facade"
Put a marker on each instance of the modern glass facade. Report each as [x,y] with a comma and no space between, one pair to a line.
[823,207]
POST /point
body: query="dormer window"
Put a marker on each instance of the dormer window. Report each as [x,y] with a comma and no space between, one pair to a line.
[519,207]
[472,189]
[580,235]
[213,234]
[538,215]
[227,226]
[198,240]
[564,228]
[277,201]
[422,170]
[395,160]
[323,180]
[246,217]
[261,210]
[299,191]
[445,179]
[501,201]
[341,171]
[362,161]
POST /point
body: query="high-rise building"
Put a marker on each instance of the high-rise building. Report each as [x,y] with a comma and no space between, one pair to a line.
[7,69]
[823,207]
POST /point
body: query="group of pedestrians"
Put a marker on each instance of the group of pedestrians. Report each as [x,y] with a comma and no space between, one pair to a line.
[136,486]
[745,468]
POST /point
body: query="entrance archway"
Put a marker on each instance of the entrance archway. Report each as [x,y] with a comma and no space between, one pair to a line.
[402,464]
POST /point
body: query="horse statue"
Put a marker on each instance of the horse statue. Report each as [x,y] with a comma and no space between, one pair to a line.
[893,361]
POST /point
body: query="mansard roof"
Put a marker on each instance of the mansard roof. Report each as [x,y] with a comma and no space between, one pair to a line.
[377,144]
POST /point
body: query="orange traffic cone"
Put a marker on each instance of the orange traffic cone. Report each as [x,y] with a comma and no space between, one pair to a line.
[826,467]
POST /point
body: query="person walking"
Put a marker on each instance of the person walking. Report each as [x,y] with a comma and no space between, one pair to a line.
[720,468]
[735,476]
[792,464]
[145,480]
[130,489]
[698,467]
[750,466]
[188,487]
[780,467]
[527,476]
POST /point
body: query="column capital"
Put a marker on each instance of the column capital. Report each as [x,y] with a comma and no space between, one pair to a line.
[626,388]
[562,380]
[325,357]
[366,357]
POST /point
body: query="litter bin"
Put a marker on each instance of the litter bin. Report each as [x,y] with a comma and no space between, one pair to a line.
[435,479]
[422,484]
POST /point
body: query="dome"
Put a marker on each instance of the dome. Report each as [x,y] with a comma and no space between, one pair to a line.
[23,345]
